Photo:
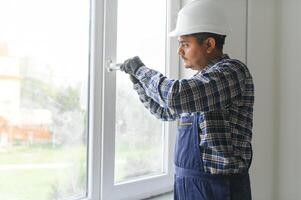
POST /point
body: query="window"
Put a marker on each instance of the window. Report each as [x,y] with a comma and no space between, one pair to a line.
[69,128]
[137,147]
[44,65]
[139,136]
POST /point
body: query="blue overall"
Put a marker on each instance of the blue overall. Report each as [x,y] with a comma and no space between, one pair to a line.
[191,182]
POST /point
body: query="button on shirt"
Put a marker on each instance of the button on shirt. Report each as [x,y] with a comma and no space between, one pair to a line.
[223,95]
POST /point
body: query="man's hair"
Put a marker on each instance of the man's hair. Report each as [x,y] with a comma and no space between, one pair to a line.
[219,39]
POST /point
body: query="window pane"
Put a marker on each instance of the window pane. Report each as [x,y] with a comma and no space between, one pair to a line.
[139,135]
[44,48]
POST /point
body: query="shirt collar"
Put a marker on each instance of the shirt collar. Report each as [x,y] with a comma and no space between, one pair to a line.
[216,60]
[213,62]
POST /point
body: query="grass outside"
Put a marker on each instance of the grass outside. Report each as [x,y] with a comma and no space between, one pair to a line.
[137,157]
[40,182]
[53,183]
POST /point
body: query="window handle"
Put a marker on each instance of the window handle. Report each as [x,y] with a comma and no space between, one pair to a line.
[113,66]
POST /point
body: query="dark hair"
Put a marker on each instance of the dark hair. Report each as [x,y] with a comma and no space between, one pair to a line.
[219,39]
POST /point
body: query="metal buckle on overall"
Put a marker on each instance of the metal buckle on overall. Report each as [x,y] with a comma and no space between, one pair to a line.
[184,123]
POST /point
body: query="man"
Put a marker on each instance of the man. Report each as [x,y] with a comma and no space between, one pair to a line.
[214,108]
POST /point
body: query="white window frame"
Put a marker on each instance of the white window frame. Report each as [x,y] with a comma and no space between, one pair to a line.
[95,100]
[102,83]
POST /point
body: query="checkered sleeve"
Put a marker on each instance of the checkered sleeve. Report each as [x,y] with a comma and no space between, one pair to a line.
[159,112]
[213,90]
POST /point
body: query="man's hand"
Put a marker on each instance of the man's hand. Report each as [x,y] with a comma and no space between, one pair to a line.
[131,65]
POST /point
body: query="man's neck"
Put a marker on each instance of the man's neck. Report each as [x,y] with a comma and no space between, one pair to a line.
[216,55]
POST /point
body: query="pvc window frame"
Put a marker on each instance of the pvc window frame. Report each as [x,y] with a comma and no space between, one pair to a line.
[100,80]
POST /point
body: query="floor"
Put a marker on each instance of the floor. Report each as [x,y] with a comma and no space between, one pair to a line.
[167,196]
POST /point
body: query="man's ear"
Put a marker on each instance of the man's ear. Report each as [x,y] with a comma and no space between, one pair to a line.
[210,44]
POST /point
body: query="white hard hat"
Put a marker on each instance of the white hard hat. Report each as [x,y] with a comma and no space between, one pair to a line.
[201,16]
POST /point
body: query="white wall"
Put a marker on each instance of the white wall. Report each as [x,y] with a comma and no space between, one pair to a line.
[260,54]
[274,46]
[261,61]
[288,82]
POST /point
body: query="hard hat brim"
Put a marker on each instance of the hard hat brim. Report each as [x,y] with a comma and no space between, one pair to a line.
[176,33]
[173,33]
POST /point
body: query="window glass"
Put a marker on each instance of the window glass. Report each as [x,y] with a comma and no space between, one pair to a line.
[44,48]
[141,30]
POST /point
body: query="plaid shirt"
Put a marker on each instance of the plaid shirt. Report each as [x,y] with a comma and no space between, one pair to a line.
[223,94]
